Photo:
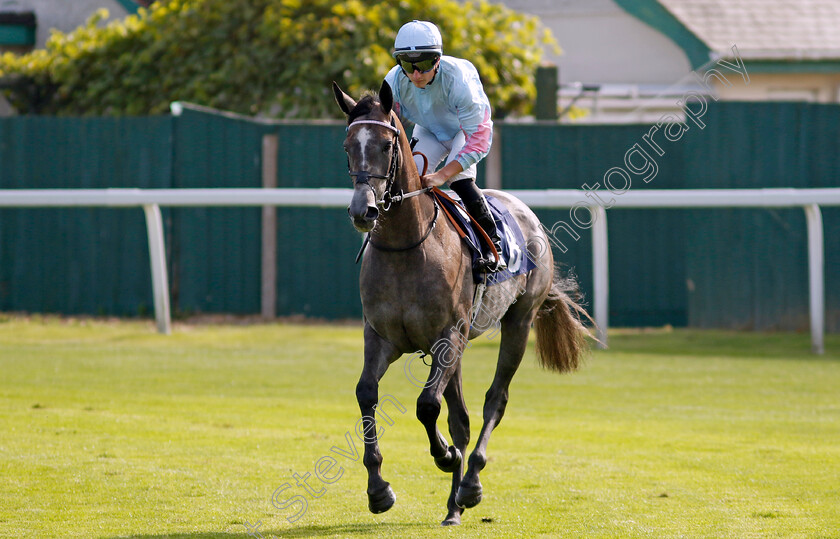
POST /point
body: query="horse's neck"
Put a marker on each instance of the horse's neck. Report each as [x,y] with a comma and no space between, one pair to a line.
[410,219]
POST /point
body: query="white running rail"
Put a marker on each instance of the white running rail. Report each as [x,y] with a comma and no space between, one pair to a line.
[810,200]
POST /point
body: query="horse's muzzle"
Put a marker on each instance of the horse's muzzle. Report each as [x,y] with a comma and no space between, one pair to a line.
[365,222]
[362,210]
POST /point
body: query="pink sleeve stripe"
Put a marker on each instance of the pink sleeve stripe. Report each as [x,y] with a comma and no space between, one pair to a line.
[479,141]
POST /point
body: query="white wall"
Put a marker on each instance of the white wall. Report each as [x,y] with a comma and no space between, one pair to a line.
[811,87]
[603,44]
[64,15]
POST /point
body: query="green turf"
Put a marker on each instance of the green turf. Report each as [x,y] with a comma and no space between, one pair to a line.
[110,430]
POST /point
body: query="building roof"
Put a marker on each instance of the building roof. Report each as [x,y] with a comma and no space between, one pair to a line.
[799,30]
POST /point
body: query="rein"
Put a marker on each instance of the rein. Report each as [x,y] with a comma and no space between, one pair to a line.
[412,246]
[385,248]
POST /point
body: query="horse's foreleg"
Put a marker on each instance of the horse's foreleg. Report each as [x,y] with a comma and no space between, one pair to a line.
[379,353]
[511,350]
[459,429]
[446,354]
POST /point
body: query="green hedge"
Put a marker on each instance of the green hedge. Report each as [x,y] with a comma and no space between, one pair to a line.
[274,58]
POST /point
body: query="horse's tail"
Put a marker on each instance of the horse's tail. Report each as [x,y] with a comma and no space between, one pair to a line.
[561,335]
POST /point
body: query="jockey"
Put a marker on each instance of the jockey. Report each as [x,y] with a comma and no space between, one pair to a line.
[444,98]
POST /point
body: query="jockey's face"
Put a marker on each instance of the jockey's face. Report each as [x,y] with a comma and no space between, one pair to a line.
[420,69]
[421,79]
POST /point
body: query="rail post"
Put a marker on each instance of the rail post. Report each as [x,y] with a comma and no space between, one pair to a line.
[157,257]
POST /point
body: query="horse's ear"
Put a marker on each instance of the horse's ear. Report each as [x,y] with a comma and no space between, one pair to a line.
[344,101]
[386,98]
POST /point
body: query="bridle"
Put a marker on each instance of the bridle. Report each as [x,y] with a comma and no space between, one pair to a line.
[388,197]
[363,177]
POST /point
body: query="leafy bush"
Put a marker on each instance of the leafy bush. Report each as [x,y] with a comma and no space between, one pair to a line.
[272,58]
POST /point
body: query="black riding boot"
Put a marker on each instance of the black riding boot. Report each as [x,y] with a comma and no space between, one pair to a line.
[480,211]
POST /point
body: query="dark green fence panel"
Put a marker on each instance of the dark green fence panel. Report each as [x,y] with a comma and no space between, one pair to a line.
[311,155]
[822,167]
[748,268]
[215,262]
[216,251]
[647,279]
[831,223]
[647,268]
[86,260]
[707,268]
[317,275]
[572,256]
[316,272]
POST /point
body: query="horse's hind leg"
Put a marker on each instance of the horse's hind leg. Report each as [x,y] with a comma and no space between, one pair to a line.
[379,353]
[514,341]
[459,429]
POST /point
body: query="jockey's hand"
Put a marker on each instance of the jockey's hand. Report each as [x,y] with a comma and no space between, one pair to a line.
[436,179]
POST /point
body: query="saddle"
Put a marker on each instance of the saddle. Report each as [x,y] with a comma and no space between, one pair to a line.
[514,248]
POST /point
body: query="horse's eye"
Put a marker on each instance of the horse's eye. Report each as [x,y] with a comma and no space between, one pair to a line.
[386,147]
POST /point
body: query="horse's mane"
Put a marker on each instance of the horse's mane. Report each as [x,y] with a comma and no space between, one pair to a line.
[364,107]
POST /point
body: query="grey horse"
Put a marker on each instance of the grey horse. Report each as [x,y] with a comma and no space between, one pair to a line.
[417,294]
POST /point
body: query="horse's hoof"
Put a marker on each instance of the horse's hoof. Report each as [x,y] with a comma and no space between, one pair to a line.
[451,462]
[381,501]
[454,520]
[468,496]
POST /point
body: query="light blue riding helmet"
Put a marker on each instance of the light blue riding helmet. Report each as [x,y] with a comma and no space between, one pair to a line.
[418,37]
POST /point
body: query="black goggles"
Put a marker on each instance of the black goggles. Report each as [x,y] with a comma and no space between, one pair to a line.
[423,64]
